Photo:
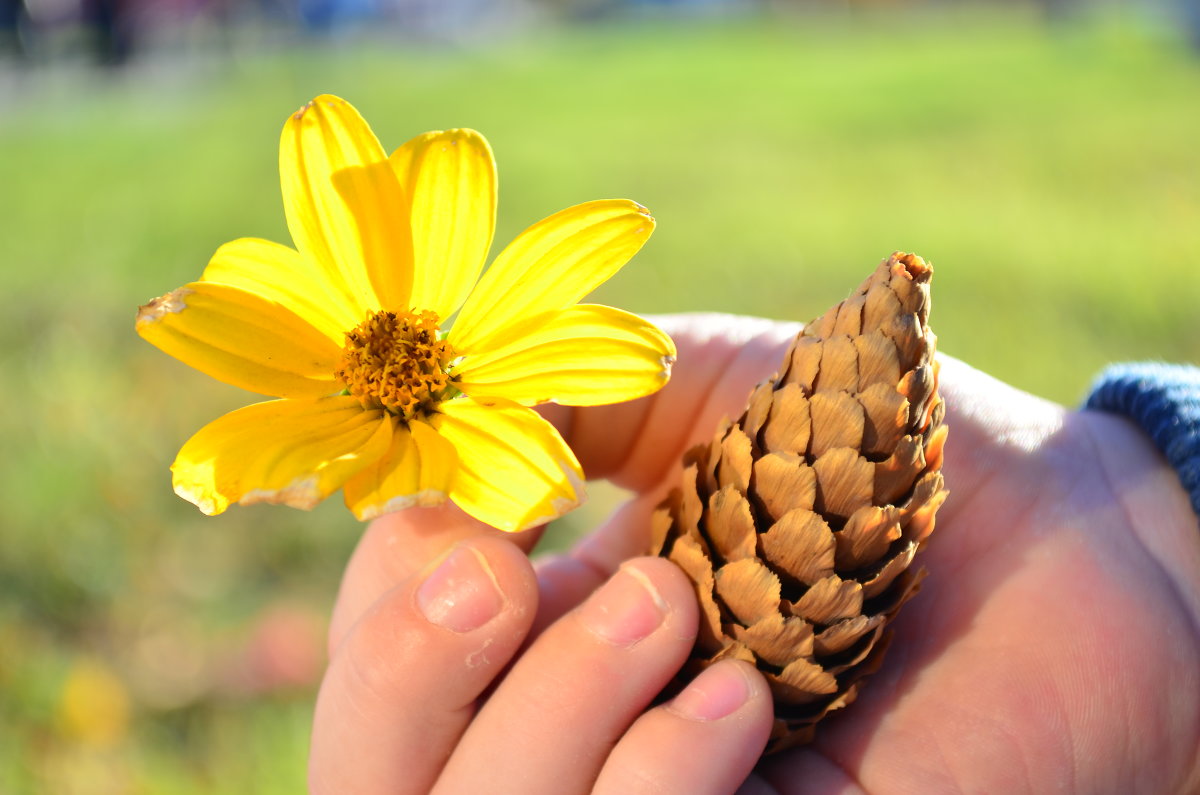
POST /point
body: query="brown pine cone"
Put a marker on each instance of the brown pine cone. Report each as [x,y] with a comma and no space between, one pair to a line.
[798,522]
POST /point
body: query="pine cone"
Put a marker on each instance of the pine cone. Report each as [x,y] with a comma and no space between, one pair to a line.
[798,522]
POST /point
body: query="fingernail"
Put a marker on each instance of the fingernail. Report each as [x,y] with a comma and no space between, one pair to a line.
[462,593]
[718,691]
[626,609]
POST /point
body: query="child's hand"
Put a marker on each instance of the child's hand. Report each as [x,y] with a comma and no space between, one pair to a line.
[1053,646]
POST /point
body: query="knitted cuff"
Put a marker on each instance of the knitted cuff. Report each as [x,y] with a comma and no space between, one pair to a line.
[1164,400]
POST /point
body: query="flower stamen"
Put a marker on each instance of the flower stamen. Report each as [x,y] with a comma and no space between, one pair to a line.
[395,361]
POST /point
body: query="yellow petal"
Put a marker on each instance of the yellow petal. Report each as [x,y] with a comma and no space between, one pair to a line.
[449,178]
[550,266]
[243,339]
[281,274]
[295,452]
[514,470]
[586,355]
[416,470]
[344,206]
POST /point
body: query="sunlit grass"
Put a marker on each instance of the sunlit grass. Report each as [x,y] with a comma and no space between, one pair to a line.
[1053,181]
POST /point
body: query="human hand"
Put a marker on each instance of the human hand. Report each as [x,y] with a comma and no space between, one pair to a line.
[1053,647]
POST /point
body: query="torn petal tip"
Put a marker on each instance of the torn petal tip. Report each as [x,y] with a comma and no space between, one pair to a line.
[171,303]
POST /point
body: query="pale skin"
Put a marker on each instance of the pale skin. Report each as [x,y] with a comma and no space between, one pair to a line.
[1054,646]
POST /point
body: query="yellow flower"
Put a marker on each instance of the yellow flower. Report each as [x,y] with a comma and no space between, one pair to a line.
[349,331]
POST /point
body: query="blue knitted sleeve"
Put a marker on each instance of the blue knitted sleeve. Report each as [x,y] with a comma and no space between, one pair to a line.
[1164,400]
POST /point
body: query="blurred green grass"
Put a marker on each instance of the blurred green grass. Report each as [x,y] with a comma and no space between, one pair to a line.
[1052,179]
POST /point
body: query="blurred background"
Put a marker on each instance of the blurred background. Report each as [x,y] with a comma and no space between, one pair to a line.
[1042,154]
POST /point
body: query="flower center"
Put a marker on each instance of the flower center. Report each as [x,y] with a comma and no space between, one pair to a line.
[394,360]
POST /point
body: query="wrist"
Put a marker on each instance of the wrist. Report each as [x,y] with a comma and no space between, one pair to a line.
[1164,401]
